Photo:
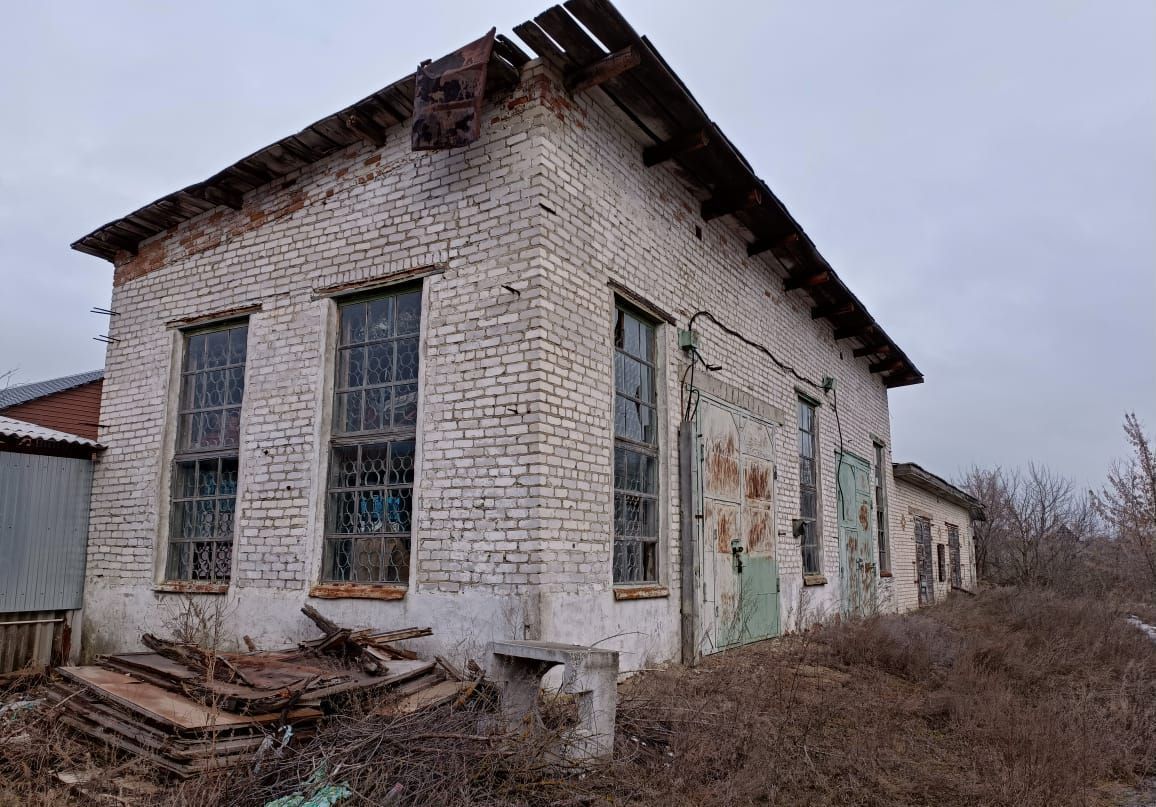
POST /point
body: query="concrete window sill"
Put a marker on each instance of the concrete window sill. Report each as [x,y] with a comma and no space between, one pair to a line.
[814,580]
[640,592]
[358,591]
[190,587]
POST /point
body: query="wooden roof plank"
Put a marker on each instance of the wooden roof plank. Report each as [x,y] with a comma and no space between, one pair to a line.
[563,29]
[510,51]
[541,44]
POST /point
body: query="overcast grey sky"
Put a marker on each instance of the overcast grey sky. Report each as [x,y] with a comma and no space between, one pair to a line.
[982,174]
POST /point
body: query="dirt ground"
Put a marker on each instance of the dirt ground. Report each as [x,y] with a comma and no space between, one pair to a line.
[1015,697]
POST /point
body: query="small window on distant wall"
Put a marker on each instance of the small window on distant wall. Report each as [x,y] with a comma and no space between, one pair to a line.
[809,487]
[204,487]
[941,562]
[881,509]
[369,512]
[635,450]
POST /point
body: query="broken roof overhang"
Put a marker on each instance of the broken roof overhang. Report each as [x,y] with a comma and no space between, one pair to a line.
[638,81]
[920,477]
[366,120]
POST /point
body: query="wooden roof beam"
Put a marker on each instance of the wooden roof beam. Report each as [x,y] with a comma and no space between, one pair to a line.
[726,203]
[678,145]
[601,71]
[364,126]
[872,350]
[806,281]
[887,365]
[217,195]
[832,310]
[902,380]
[853,331]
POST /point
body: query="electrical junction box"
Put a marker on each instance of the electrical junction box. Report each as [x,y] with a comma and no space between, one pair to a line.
[687,340]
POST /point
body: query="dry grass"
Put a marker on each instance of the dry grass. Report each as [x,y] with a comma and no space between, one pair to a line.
[1012,698]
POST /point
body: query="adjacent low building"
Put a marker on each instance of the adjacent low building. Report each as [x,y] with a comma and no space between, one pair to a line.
[45,479]
[935,529]
[515,347]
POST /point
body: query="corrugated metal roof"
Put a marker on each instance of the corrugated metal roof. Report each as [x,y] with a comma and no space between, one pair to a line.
[14,396]
[21,430]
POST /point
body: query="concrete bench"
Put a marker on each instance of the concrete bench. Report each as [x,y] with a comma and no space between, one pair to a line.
[589,675]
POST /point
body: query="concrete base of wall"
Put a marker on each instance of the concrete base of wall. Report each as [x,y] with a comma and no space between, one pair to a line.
[645,632]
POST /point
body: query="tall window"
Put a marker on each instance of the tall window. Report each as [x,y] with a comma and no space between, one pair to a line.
[953,551]
[371,462]
[941,562]
[881,509]
[808,486]
[635,451]
[204,488]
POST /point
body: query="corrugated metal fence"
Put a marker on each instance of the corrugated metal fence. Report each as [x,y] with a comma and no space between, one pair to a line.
[43,534]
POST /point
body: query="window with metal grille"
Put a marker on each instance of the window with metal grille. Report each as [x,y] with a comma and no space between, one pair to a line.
[204,486]
[941,562]
[635,450]
[369,511]
[809,487]
[953,550]
[881,509]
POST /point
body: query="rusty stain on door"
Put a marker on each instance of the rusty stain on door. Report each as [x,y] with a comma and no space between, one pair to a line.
[740,599]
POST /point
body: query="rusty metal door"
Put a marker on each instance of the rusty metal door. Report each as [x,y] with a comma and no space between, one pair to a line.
[856,539]
[923,570]
[735,486]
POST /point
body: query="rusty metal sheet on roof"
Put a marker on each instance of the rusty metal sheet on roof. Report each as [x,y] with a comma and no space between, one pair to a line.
[448,95]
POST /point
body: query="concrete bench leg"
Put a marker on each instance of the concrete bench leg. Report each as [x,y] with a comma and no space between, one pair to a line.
[590,676]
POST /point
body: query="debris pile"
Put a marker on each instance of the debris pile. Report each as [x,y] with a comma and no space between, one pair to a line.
[189,709]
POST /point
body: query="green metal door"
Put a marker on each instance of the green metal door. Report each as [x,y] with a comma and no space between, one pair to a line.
[736,543]
[856,540]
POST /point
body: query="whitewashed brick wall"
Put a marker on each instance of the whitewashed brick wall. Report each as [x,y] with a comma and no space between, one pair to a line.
[513,508]
[911,501]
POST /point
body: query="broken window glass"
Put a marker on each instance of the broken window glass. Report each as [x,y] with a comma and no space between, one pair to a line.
[636,525]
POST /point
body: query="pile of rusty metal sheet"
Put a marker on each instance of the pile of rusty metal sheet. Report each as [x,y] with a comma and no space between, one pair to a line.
[189,709]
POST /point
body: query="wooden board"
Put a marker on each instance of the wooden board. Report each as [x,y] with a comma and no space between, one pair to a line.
[164,706]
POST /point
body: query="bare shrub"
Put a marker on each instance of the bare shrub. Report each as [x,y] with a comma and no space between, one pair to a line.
[1128,504]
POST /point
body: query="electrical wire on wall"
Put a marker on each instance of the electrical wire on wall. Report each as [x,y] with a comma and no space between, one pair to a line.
[827,385]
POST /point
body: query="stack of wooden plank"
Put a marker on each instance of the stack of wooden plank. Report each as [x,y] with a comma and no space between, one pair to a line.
[189,709]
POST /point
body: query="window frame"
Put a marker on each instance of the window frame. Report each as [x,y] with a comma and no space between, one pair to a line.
[882,528]
[179,495]
[396,564]
[652,450]
[812,530]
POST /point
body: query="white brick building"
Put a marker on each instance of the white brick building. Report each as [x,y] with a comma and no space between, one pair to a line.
[935,542]
[348,370]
